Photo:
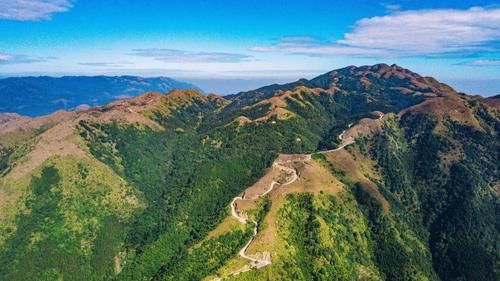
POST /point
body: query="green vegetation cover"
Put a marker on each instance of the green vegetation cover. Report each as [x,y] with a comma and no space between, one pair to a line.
[140,200]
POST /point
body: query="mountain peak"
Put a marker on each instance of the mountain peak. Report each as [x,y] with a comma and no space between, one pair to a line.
[147,98]
[381,82]
[378,70]
[393,76]
[186,94]
[212,97]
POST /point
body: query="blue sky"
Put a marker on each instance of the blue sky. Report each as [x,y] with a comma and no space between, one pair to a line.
[225,45]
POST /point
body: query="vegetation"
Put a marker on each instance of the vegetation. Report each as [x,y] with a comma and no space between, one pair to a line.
[142,203]
[399,254]
[186,179]
[70,227]
[326,238]
[441,200]
[14,146]
[205,259]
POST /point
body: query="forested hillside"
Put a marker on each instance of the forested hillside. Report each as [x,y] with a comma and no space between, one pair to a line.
[363,173]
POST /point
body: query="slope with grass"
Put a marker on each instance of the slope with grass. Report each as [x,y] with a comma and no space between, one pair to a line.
[140,189]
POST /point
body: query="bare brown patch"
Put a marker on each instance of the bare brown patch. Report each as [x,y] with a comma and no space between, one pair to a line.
[279,102]
[242,120]
[25,123]
[492,102]
[293,158]
[244,205]
[278,112]
[356,171]
[118,264]
[10,117]
[60,140]
[443,108]
[364,127]
[218,99]
[186,95]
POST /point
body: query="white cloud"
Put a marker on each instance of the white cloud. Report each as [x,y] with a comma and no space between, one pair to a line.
[4,57]
[428,31]
[409,33]
[29,10]
[171,55]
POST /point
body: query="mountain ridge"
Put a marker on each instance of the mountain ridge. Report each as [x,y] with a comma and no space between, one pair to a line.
[391,205]
[40,95]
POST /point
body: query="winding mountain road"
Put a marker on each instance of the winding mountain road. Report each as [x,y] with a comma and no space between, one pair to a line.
[257,263]
[262,262]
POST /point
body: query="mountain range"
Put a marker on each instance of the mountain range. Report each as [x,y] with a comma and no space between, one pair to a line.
[363,173]
[36,96]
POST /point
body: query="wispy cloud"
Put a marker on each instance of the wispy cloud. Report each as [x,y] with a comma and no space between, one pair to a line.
[32,10]
[106,64]
[483,62]
[312,46]
[172,55]
[121,97]
[20,59]
[407,33]
[392,7]
[266,73]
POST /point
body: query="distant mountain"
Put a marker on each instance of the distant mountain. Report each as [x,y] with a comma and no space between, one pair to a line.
[493,101]
[377,80]
[363,173]
[35,96]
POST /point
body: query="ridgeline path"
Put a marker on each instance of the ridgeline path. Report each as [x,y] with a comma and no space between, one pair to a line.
[256,262]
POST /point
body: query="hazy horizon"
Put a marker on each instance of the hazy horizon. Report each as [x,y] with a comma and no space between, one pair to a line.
[228,86]
[252,43]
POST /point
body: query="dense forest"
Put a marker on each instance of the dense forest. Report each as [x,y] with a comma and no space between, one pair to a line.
[448,203]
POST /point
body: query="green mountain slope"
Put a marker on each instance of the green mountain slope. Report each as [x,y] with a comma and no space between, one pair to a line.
[142,189]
